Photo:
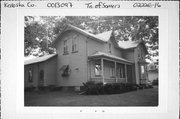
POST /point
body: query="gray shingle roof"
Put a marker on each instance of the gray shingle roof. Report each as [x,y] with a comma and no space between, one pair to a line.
[102,37]
[105,36]
[98,54]
[39,59]
[128,44]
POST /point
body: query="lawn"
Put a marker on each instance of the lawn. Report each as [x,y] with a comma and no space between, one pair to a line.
[145,97]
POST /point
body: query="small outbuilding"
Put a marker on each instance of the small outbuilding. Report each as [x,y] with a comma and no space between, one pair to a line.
[40,72]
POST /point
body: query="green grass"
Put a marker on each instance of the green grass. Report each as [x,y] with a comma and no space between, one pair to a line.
[145,97]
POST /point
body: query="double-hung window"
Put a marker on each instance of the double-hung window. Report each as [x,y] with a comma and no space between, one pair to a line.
[121,71]
[65,46]
[74,45]
[112,71]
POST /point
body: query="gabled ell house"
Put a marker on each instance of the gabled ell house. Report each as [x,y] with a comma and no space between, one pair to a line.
[82,56]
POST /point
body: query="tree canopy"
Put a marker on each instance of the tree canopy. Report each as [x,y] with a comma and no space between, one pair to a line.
[41,31]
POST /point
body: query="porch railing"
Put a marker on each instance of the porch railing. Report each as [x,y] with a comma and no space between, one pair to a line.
[109,80]
[121,80]
[97,79]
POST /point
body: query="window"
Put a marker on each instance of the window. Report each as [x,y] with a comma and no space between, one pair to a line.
[97,69]
[142,69]
[30,75]
[109,48]
[121,71]
[112,72]
[65,47]
[74,45]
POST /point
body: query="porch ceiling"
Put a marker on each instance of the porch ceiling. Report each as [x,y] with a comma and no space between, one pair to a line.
[108,56]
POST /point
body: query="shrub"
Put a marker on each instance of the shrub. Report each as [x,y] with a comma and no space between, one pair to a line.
[130,87]
[117,88]
[109,88]
[92,88]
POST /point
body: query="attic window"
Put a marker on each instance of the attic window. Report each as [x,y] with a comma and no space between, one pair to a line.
[65,46]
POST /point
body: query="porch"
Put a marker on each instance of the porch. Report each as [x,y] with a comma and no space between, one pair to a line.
[110,69]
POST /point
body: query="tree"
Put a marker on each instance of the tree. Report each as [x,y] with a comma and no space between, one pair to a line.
[36,38]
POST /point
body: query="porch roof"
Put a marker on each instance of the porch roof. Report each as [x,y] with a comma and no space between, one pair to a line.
[102,54]
[39,59]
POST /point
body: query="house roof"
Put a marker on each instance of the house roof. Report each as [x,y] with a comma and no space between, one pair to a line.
[102,37]
[100,54]
[128,44]
[105,36]
[131,44]
[39,59]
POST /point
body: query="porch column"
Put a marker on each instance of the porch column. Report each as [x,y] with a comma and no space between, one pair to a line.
[126,72]
[115,71]
[90,69]
[102,69]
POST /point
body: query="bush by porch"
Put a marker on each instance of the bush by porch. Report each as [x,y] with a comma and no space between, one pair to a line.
[93,88]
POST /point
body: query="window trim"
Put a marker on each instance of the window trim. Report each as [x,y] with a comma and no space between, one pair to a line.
[65,47]
[74,45]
